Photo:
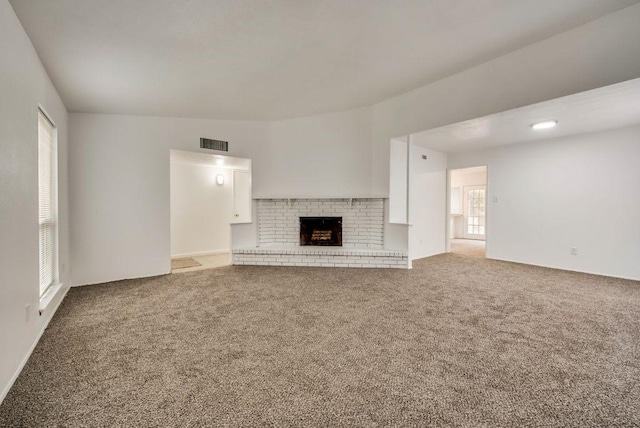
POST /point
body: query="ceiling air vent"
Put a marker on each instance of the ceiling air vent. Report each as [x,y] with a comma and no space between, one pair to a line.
[206,143]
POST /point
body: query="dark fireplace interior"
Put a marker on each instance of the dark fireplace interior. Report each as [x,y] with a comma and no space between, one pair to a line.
[323,231]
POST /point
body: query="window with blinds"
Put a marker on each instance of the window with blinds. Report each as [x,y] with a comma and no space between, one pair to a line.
[47,200]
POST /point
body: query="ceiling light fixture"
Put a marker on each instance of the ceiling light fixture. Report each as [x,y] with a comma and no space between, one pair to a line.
[547,124]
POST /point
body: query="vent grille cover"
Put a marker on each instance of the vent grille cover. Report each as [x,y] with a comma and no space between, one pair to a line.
[206,143]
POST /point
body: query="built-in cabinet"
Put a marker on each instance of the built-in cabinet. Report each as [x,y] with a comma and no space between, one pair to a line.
[399,181]
[241,197]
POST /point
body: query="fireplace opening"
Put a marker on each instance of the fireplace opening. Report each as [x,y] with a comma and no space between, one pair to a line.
[322,231]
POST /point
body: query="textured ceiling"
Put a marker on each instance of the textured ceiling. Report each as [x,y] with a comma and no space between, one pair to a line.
[275,59]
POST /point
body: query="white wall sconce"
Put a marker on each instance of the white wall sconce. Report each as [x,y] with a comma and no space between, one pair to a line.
[219,179]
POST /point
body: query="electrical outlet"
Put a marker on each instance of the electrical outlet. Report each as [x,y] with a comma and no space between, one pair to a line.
[27,313]
[495,199]
[574,251]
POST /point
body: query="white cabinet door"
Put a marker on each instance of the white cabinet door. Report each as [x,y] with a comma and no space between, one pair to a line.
[241,197]
[398,181]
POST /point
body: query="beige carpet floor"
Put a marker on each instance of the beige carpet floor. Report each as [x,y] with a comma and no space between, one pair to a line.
[206,262]
[185,262]
[457,341]
[468,247]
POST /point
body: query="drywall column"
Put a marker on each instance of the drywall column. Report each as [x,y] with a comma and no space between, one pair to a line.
[397,206]
[427,202]
[399,181]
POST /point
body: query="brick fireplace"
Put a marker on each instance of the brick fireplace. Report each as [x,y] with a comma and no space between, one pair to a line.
[360,233]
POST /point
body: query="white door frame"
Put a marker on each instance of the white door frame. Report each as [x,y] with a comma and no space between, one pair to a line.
[230,229]
[487,208]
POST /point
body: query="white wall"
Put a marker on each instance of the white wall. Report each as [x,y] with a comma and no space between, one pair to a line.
[24,84]
[119,166]
[116,159]
[599,53]
[120,187]
[321,156]
[201,209]
[579,191]
[427,202]
[460,178]
[120,179]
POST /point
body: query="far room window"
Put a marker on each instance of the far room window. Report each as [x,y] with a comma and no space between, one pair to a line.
[47,200]
[475,212]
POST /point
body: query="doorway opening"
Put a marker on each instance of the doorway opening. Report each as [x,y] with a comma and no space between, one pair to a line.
[208,193]
[468,211]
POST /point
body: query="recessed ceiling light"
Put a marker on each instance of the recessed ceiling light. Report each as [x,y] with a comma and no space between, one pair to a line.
[547,124]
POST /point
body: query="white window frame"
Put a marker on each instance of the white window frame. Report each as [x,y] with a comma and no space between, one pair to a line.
[52,221]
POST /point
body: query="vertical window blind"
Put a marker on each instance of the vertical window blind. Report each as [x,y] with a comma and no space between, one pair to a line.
[47,205]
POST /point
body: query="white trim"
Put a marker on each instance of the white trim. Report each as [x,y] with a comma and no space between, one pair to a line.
[302,197]
[46,115]
[181,162]
[55,202]
[408,196]
[49,295]
[107,281]
[200,253]
[487,208]
[48,318]
[608,275]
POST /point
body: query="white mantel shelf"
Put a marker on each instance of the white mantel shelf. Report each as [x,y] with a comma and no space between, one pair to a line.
[322,197]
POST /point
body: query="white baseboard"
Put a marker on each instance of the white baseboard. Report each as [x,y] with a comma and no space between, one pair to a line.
[200,253]
[609,275]
[48,314]
[108,280]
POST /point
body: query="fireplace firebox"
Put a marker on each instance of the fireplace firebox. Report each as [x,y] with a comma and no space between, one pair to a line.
[322,231]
